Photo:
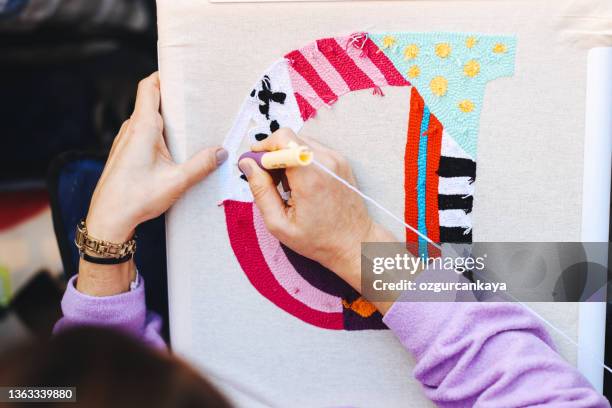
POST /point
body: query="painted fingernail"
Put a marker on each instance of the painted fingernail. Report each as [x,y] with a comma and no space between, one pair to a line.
[245,167]
[221,155]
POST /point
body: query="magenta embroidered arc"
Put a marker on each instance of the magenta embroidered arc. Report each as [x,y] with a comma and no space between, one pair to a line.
[447,72]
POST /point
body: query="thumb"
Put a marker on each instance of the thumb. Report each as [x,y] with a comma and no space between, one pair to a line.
[266,195]
[202,164]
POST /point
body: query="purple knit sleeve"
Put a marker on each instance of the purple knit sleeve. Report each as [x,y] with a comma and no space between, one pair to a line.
[487,354]
[125,312]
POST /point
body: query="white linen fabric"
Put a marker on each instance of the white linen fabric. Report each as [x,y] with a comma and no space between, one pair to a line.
[528,184]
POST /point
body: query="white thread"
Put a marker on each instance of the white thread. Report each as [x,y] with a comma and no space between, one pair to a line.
[559,331]
[568,338]
[396,218]
[379,206]
[355,37]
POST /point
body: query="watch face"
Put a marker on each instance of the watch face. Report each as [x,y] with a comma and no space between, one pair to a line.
[79,236]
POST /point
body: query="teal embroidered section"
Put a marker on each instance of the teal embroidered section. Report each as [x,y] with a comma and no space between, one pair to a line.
[450,71]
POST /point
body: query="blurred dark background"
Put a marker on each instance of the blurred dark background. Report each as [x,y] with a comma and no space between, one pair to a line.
[68,71]
[68,76]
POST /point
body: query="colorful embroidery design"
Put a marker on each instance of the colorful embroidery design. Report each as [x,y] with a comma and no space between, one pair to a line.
[421,161]
[447,73]
[455,69]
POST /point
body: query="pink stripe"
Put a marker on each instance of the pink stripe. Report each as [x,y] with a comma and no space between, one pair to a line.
[306,110]
[362,61]
[394,78]
[354,77]
[301,86]
[287,276]
[325,70]
[243,239]
[301,65]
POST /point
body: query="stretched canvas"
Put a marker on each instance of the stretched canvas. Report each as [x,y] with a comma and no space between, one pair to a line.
[267,323]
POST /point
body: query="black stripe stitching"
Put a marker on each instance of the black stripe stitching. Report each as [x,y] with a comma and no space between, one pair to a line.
[456,167]
[455,235]
[455,202]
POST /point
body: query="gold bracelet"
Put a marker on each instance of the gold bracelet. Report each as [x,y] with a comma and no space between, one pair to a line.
[98,247]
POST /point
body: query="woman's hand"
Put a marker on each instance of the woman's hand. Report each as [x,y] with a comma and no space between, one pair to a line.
[140,181]
[323,220]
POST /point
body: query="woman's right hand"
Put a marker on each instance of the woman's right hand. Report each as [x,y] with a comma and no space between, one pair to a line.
[323,220]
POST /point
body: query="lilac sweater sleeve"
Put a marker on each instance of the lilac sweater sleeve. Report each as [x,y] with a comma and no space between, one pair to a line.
[125,312]
[487,354]
[483,354]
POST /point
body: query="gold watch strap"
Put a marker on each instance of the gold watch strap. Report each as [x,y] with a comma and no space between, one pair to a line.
[99,247]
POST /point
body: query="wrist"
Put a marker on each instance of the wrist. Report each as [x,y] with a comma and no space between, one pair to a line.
[111,229]
[347,262]
[105,280]
[106,266]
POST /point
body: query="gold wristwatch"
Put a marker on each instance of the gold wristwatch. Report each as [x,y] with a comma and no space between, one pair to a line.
[90,247]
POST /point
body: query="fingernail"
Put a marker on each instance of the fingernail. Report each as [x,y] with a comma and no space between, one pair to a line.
[245,167]
[221,155]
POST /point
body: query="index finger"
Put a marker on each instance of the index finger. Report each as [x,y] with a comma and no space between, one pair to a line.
[148,96]
[276,141]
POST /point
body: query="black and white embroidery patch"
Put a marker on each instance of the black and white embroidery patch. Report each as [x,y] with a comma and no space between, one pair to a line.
[270,100]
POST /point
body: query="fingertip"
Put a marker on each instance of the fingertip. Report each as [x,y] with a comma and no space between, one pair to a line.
[151,80]
[201,164]
[246,166]
[147,96]
[285,134]
[155,79]
[259,146]
[266,145]
[221,155]
[277,140]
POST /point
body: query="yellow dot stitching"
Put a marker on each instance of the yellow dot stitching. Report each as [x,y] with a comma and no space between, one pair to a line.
[443,50]
[439,86]
[499,48]
[388,42]
[470,42]
[466,106]
[411,51]
[414,71]
[471,68]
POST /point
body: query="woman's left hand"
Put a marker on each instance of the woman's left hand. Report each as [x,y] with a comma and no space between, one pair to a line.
[140,181]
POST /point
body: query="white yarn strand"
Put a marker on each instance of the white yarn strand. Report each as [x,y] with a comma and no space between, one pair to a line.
[425,237]
[375,203]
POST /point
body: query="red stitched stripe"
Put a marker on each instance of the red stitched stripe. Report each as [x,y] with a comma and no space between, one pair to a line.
[306,109]
[303,67]
[243,239]
[411,156]
[392,75]
[354,77]
[434,147]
